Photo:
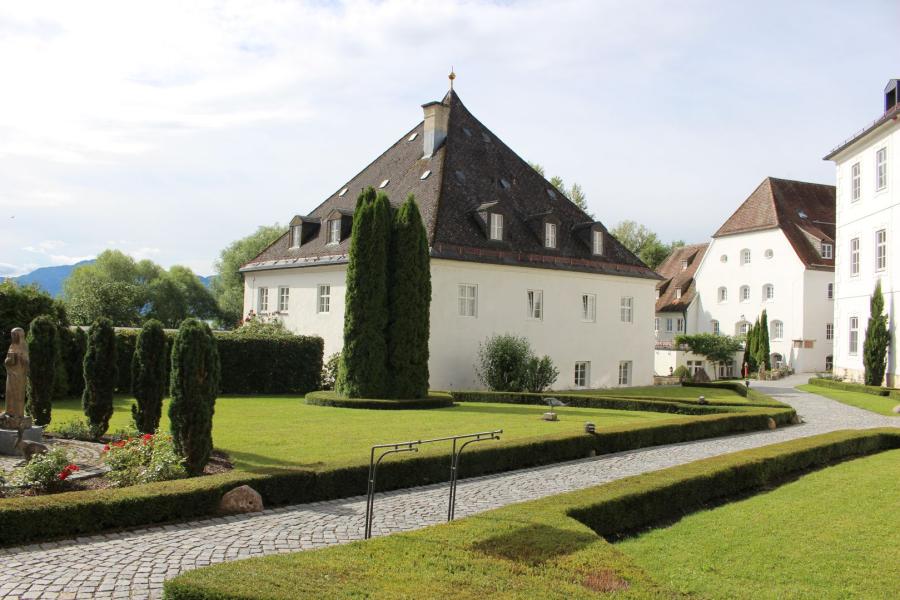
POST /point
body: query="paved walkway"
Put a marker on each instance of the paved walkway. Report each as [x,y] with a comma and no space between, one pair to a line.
[134,564]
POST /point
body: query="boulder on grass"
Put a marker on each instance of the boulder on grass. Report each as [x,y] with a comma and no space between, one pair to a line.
[772,424]
[243,499]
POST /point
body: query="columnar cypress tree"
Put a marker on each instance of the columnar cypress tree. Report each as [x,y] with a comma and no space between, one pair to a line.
[100,374]
[409,301]
[43,350]
[750,347]
[148,376]
[363,367]
[877,340]
[763,357]
[194,387]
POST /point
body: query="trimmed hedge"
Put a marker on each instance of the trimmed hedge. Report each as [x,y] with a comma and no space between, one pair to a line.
[540,548]
[679,406]
[328,398]
[75,513]
[851,387]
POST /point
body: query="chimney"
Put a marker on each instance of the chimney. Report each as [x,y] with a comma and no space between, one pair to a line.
[437,115]
[890,94]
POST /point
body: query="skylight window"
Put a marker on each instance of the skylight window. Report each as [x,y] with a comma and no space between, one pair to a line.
[486,137]
[504,184]
[384,184]
[801,214]
[413,136]
[425,175]
[467,131]
[342,192]
[460,176]
[552,194]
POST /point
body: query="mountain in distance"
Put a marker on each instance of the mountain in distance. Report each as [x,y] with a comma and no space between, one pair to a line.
[51,279]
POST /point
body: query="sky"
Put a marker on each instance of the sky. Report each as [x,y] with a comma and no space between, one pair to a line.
[169,129]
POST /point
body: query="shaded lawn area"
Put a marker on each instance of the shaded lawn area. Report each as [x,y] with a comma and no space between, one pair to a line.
[876,404]
[830,534]
[279,431]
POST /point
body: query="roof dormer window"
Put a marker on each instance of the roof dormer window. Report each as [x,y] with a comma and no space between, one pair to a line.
[550,235]
[597,243]
[684,264]
[827,250]
[334,232]
[496,232]
[295,235]
[657,293]
[677,293]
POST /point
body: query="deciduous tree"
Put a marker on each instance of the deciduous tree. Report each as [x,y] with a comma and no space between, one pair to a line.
[228,284]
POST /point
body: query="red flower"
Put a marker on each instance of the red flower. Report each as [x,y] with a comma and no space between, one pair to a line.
[72,467]
[67,470]
[106,448]
[147,438]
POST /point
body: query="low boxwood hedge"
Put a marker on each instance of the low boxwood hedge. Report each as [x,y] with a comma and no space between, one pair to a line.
[24,519]
[327,398]
[850,387]
[547,548]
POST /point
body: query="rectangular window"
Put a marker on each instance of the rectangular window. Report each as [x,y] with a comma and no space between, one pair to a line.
[598,243]
[715,327]
[324,303]
[656,324]
[854,334]
[334,231]
[881,250]
[745,256]
[284,296]
[550,235]
[295,236]
[626,309]
[589,307]
[881,169]
[262,300]
[827,250]
[679,325]
[496,226]
[677,293]
[723,294]
[625,372]
[829,331]
[669,325]
[854,257]
[829,291]
[582,374]
[684,265]
[468,300]
[854,182]
[535,304]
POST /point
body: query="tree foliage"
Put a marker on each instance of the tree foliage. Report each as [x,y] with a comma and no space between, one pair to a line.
[644,243]
[148,376]
[19,306]
[877,340]
[228,284]
[409,304]
[716,348]
[45,356]
[508,364]
[763,353]
[100,373]
[73,344]
[194,387]
[363,367]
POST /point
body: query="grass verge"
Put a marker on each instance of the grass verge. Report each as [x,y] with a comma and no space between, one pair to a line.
[883,405]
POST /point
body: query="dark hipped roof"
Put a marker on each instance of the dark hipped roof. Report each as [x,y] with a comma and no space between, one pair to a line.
[804,211]
[675,277]
[471,169]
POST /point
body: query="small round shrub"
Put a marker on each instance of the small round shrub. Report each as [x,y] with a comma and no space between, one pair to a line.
[143,459]
[507,364]
[45,472]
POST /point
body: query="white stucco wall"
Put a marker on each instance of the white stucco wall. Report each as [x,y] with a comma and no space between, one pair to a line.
[800,296]
[874,210]
[501,308]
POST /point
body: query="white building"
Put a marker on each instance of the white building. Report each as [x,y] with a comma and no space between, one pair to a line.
[867,217]
[509,254]
[776,252]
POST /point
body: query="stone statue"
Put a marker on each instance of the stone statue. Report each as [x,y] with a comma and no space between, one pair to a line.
[16,364]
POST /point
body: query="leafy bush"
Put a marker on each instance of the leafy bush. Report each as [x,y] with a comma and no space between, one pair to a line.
[143,459]
[540,374]
[73,343]
[19,306]
[507,364]
[683,374]
[255,326]
[77,429]
[195,384]
[100,373]
[123,433]
[148,376]
[266,365]
[44,471]
[44,354]
[330,371]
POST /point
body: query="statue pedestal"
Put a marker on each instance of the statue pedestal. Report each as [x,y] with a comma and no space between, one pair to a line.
[8,439]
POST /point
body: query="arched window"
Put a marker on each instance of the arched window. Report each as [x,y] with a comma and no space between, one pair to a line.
[777,330]
[768,292]
[777,360]
[745,293]
[723,294]
[741,327]
[745,256]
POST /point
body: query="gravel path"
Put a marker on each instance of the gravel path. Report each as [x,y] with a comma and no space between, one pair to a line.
[134,564]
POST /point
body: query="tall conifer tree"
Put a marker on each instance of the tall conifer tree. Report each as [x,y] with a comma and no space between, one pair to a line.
[409,295]
[100,375]
[877,340]
[763,358]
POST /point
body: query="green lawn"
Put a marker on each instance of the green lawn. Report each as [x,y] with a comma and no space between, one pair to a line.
[877,404]
[671,392]
[283,431]
[830,534]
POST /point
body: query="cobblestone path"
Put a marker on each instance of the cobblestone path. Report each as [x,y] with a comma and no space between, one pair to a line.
[134,564]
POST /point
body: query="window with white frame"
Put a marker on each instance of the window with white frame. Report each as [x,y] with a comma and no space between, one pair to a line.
[881,250]
[829,331]
[284,297]
[535,304]
[881,169]
[582,373]
[669,325]
[723,294]
[854,183]
[625,372]
[827,250]
[742,328]
[745,256]
[684,264]
[677,293]
[656,324]
[657,293]
[598,243]
[715,327]
[324,298]
[777,330]
[829,291]
[626,309]
[295,235]
[496,226]
[854,335]
[334,231]
[679,325]
[745,293]
[769,292]
[854,257]
[468,300]
[589,307]
[550,235]
[262,300]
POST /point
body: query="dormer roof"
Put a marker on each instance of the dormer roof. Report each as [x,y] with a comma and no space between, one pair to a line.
[676,277]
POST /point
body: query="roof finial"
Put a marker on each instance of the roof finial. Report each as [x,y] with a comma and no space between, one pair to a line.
[452,76]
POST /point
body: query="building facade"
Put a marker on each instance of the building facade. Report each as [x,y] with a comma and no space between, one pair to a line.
[868,213]
[509,254]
